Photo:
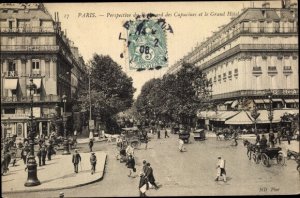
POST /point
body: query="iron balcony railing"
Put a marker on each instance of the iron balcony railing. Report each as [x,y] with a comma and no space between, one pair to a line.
[29,48]
[27,30]
[14,99]
[251,93]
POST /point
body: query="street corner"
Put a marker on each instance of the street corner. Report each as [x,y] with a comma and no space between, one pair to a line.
[56,174]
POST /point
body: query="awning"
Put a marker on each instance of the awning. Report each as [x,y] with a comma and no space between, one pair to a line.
[10,84]
[236,102]
[277,114]
[228,102]
[296,100]
[289,101]
[240,118]
[277,100]
[37,82]
[226,115]
[259,101]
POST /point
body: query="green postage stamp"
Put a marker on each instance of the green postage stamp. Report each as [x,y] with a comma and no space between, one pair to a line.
[147,43]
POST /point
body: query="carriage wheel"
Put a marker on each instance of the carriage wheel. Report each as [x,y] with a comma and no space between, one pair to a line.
[249,154]
[265,160]
[280,159]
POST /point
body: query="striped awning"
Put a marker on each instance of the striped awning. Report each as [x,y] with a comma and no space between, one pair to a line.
[259,101]
[241,118]
[277,100]
[10,84]
[289,101]
[228,102]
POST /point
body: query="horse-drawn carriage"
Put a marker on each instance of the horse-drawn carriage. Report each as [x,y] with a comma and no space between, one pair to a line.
[133,136]
[58,141]
[227,134]
[199,135]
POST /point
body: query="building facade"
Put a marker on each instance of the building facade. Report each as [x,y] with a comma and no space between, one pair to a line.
[34,46]
[250,58]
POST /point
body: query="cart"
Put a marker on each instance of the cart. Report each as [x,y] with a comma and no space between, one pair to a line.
[184,135]
[199,135]
[132,136]
[266,155]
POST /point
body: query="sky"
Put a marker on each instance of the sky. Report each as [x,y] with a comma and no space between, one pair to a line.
[95,27]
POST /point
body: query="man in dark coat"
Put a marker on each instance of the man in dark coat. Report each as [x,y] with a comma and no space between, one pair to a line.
[49,151]
[75,160]
[93,161]
[91,144]
[263,142]
[145,167]
[130,164]
[143,185]
[43,154]
[150,176]
[39,155]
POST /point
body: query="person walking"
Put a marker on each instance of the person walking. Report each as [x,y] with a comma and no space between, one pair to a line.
[76,159]
[24,154]
[39,155]
[91,144]
[146,141]
[93,160]
[166,133]
[278,138]
[143,185]
[50,150]
[221,169]
[158,133]
[43,155]
[130,164]
[181,143]
[235,137]
[145,167]
[288,136]
[150,176]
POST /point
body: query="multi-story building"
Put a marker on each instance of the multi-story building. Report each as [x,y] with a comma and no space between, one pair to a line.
[34,46]
[250,57]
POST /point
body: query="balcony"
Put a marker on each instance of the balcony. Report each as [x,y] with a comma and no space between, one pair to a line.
[15,116]
[272,70]
[254,93]
[287,70]
[27,30]
[256,71]
[29,48]
[27,99]
[11,74]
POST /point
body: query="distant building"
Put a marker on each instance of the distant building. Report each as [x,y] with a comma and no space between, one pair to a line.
[253,55]
[33,44]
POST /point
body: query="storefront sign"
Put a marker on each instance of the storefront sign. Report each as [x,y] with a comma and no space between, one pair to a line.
[91,124]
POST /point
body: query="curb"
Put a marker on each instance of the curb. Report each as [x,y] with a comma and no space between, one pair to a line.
[66,187]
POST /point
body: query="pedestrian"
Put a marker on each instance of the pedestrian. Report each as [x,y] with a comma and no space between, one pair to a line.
[145,167]
[129,150]
[91,144]
[150,176]
[235,137]
[27,158]
[43,155]
[39,155]
[181,147]
[166,133]
[24,154]
[130,164]
[221,169]
[146,141]
[263,142]
[271,139]
[93,160]
[109,138]
[76,159]
[288,136]
[49,151]
[158,133]
[143,185]
[278,138]
[257,140]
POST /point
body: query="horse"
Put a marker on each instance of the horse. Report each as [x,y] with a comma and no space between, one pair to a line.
[250,148]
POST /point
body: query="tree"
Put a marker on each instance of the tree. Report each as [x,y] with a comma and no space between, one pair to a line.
[111,89]
[176,97]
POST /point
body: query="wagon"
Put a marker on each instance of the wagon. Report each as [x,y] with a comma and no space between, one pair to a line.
[199,134]
[268,154]
[132,136]
[184,135]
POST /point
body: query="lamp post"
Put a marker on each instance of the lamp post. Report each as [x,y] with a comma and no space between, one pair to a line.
[66,142]
[255,115]
[32,179]
[270,115]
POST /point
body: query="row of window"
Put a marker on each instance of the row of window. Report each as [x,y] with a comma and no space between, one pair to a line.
[28,40]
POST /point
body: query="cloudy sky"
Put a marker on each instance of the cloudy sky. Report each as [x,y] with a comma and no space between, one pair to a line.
[95,27]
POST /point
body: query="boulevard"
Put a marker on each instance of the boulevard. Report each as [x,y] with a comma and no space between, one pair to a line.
[187,173]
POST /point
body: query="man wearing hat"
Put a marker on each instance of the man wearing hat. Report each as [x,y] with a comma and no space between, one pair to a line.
[150,176]
[93,161]
[43,154]
[221,169]
[143,185]
[75,160]
[145,167]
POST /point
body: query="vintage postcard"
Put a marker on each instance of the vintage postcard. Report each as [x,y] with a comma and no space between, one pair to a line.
[129,99]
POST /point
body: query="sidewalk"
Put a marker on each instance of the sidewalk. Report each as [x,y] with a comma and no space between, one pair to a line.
[56,174]
[86,140]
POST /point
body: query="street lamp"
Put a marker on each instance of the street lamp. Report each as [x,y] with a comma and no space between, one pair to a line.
[66,142]
[255,115]
[270,115]
[32,179]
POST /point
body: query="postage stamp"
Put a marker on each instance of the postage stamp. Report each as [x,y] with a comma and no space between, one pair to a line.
[147,43]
